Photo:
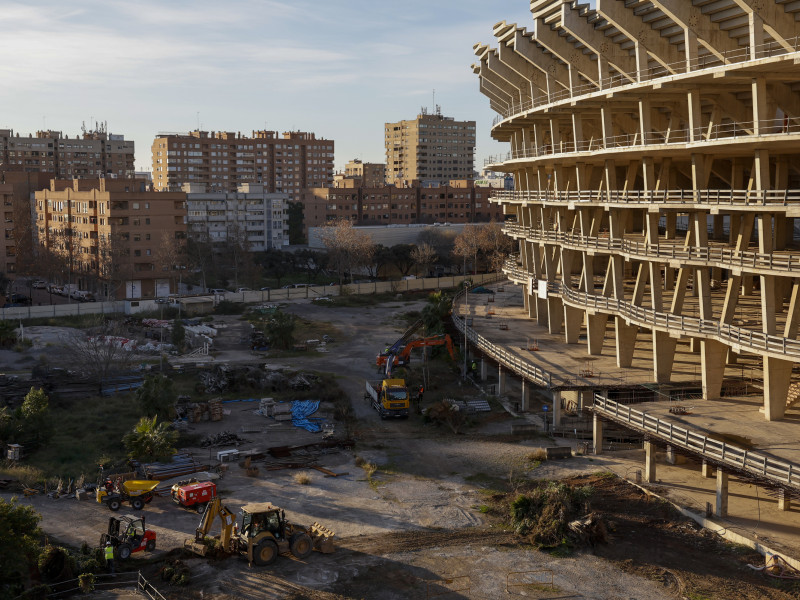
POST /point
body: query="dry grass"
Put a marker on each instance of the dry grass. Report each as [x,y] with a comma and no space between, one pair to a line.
[538,455]
[25,474]
[302,478]
[369,468]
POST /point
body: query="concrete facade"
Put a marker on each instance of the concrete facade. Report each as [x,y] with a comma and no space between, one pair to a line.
[431,149]
[111,236]
[222,161]
[250,214]
[368,174]
[653,150]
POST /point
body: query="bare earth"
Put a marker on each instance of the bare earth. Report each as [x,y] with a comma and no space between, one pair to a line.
[420,520]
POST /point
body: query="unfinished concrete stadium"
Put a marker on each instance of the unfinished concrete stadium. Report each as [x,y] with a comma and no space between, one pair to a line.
[655,148]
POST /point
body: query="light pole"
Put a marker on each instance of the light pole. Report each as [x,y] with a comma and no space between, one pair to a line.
[466,314]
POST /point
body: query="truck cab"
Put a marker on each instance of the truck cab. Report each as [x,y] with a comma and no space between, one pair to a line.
[389,397]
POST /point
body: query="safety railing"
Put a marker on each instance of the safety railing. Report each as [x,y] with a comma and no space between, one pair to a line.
[771,198]
[724,131]
[715,257]
[753,463]
[777,346]
[652,75]
[499,353]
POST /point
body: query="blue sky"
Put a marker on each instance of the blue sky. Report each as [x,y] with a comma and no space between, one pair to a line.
[339,68]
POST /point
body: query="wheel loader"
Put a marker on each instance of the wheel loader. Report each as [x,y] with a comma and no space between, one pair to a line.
[264,533]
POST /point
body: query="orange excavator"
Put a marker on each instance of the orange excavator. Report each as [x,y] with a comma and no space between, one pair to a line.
[404,354]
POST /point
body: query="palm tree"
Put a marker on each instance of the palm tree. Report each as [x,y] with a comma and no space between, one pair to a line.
[150,441]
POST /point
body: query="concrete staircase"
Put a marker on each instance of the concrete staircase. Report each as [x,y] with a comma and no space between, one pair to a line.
[793,396]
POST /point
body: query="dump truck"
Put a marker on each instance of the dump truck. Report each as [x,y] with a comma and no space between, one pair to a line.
[136,492]
[264,533]
[389,397]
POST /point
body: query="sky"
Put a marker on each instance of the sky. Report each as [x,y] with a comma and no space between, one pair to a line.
[338,68]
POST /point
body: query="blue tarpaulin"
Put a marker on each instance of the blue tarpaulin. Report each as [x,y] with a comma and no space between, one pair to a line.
[301,410]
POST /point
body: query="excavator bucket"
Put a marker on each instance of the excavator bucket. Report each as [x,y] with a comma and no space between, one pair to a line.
[198,548]
[322,538]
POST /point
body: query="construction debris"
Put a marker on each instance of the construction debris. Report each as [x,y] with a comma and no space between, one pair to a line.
[224,438]
[181,464]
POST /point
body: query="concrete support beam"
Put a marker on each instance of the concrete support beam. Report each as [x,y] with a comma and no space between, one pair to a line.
[525,397]
[483,369]
[784,501]
[573,319]
[555,315]
[707,470]
[649,462]
[597,434]
[721,509]
[777,376]
[556,409]
[501,381]
[626,341]
[596,332]
[663,356]
[712,363]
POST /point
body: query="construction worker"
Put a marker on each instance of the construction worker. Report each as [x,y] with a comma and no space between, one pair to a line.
[110,557]
[421,392]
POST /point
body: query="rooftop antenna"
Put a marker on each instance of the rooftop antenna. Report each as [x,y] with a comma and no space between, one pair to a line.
[434,98]
[198,120]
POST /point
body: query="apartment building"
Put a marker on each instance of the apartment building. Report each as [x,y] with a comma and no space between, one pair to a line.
[112,236]
[222,161]
[657,189]
[429,150]
[367,174]
[459,202]
[250,215]
[93,154]
[16,195]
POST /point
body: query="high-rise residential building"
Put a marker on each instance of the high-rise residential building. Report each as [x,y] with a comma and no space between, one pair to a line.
[250,215]
[222,161]
[368,174]
[431,149]
[92,155]
[657,192]
[111,236]
[16,194]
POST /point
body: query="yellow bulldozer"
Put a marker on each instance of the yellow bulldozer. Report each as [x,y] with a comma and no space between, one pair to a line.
[264,533]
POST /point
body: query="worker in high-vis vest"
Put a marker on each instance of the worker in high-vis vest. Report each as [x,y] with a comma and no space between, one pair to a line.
[110,556]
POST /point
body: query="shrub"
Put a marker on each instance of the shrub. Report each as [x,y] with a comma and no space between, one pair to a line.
[538,455]
[545,512]
[302,478]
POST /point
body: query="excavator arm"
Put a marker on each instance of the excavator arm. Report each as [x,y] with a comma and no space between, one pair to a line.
[439,340]
[214,509]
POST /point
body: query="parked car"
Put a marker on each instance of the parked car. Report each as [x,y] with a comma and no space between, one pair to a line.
[243,289]
[19,299]
[54,288]
[264,289]
[217,291]
[39,284]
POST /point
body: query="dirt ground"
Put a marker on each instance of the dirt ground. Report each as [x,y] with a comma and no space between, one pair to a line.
[428,523]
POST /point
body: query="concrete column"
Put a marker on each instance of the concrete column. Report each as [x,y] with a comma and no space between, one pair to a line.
[722,494]
[596,332]
[525,397]
[541,312]
[649,462]
[784,501]
[777,376]
[483,369]
[707,470]
[555,314]
[663,356]
[673,457]
[556,409]
[573,319]
[712,363]
[597,433]
[501,381]
[626,341]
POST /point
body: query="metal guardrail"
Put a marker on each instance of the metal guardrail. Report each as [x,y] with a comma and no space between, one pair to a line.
[722,257]
[777,346]
[514,363]
[678,70]
[753,463]
[678,197]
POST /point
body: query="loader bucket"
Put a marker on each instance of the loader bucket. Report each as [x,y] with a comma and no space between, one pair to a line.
[322,538]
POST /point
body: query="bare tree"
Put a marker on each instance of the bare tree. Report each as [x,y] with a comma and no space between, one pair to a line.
[171,257]
[114,262]
[495,244]
[348,248]
[200,255]
[103,351]
[423,255]
[469,244]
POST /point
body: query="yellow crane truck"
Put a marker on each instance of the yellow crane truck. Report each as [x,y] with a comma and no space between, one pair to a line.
[389,397]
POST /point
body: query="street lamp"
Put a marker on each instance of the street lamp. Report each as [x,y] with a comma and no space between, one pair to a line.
[466,314]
